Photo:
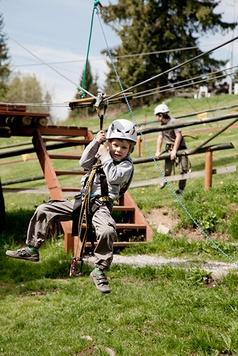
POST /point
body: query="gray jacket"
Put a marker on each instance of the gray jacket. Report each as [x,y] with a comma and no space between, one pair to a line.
[118,174]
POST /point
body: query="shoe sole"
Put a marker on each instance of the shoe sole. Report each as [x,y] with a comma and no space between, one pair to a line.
[32,259]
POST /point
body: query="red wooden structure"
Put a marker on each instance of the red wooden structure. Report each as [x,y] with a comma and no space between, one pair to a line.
[16,121]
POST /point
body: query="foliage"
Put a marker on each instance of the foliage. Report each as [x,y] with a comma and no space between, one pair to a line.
[25,88]
[4,61]
[206,207]
[151,26]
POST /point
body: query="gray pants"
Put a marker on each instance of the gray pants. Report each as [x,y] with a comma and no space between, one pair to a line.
[61,210]
[184,167]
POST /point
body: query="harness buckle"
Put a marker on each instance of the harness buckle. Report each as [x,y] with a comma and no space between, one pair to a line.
[105,199]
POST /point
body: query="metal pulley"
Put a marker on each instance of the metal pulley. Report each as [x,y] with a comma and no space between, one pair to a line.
[101,107]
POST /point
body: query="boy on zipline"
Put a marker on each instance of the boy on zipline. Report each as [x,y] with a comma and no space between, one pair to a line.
[174,141]
[110,181]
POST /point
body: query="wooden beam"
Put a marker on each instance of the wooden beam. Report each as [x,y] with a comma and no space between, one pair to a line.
[190,175]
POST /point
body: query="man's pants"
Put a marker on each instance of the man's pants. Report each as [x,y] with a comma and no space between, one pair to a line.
[61,210]
[184,167]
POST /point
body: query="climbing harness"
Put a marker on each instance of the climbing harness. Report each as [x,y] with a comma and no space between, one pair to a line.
[80,216]
[84,207]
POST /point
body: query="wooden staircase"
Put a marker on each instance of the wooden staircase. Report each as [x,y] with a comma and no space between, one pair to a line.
[132,226]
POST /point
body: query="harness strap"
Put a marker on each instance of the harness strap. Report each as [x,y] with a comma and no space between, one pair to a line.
[103,183]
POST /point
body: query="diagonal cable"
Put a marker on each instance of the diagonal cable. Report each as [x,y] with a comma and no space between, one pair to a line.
[50,66]
[175,67]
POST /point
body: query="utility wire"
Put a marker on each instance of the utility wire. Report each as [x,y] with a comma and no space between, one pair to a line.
[51,67]
[176,85]
[113,57]
[175,67]
[155,52]
[179,87]
[148,92]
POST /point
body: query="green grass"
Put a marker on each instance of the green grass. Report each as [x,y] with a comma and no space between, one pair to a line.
[154,311]
[151,311]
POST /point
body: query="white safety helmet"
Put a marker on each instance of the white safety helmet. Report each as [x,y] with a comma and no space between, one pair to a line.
[122,129]
[161,109]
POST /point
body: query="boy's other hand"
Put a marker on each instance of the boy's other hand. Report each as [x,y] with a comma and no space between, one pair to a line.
[100,137]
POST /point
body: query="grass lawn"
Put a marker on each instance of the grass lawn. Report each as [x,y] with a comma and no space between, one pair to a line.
[151,310]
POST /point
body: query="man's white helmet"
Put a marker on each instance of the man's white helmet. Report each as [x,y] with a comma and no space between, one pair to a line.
[161,109]
[122,129]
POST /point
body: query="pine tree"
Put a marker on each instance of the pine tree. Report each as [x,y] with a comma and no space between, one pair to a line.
[88,82]
[147,26]
[4,61]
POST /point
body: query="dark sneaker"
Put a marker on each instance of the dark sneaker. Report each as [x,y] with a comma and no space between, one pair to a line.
[179,191]
[99,278]
[24,253]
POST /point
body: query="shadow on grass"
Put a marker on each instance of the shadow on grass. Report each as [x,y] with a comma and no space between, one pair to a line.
[16,227]
[17,276]
[54,261]
[20,277]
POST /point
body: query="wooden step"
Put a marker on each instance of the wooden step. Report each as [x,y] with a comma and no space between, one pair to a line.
[127,226]
[123,208]
[123,214]
[79,142]
[64,156]
[70,173]
[70,189]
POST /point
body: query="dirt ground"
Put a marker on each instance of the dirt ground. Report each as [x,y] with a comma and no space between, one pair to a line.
[166,221]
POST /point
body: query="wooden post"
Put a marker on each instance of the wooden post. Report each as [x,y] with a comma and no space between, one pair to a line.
[2,209]
[208,170]
[139,145]
[53,184]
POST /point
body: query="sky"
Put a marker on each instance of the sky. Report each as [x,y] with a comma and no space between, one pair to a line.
[57,32]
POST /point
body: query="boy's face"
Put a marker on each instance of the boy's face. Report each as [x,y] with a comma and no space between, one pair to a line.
[119,149]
